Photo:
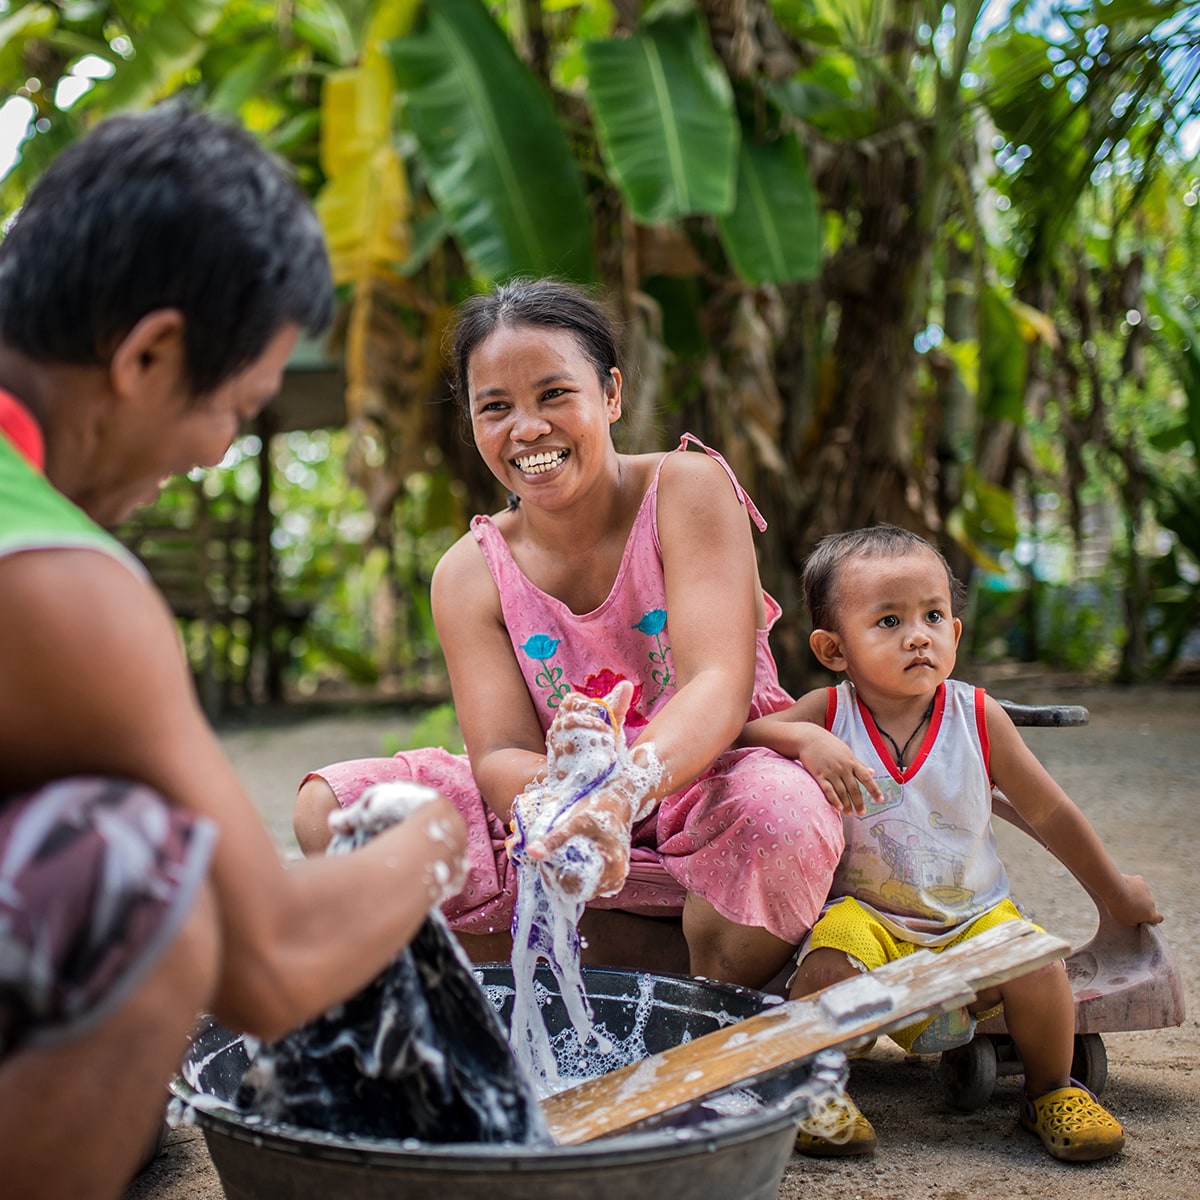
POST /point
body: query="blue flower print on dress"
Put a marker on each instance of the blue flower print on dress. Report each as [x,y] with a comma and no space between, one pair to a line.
[652,623]
[541,646]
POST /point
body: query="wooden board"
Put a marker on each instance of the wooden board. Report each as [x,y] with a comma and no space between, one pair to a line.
[752,1050]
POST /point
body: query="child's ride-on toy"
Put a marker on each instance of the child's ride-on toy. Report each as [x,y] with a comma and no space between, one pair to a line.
[1123,978]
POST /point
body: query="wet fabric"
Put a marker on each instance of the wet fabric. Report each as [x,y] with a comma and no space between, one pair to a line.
[96,876]
[419,1053]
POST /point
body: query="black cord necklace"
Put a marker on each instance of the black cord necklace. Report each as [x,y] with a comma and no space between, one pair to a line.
[900,753]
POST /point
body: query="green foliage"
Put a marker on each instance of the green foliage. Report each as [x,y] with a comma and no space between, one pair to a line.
[663,108]
[437,726]
[496,158]
[985,523]
[1002,359]
[533,135]
[171,38]
[773,234]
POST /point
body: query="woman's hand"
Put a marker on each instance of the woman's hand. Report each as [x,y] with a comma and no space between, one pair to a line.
[578,819]
[588,848]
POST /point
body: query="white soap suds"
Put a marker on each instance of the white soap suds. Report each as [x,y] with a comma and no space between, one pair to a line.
[586,757]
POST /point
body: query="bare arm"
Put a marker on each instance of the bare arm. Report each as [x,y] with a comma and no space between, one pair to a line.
[94,682]
[491,700]
[712,591]
[1068,834]
[799,732]
[712,594]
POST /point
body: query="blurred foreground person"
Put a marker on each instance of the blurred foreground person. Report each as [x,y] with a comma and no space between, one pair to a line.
[151,291]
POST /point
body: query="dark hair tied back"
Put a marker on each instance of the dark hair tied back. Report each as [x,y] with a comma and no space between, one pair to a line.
[542,303]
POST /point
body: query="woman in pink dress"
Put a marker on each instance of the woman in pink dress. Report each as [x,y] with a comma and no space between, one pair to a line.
[608,567]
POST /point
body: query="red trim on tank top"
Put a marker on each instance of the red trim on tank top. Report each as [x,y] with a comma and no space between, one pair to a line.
[17,424]
[985,740]
[898,773]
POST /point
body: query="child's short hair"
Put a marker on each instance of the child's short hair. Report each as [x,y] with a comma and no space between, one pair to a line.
[819,579]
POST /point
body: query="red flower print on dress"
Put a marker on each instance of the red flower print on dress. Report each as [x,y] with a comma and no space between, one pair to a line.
[602,682]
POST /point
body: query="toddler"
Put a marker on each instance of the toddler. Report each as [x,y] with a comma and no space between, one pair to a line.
[910,756]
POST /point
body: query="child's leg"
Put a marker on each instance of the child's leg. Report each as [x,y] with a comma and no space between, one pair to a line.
[1039,1011]
[821,969]
[842,1131]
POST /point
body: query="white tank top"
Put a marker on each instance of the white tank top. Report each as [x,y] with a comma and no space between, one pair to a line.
[924,860]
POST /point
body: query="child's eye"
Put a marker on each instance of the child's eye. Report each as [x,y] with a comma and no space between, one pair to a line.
[889,622]
[935,616]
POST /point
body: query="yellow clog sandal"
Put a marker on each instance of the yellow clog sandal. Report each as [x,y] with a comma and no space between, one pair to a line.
[1072,1124]
[838,1131]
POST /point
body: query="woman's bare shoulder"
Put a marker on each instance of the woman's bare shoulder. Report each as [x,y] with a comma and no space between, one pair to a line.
[462,582]
[681,471]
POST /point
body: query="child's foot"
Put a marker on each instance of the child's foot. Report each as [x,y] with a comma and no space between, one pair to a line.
[843,1132]
[1072,1124]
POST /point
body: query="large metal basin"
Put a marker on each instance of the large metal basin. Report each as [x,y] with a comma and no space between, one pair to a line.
[699,1154]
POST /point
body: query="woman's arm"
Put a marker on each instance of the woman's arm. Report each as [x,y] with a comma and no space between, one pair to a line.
[1034,793]
[499,724]
[95,682]
[712,592]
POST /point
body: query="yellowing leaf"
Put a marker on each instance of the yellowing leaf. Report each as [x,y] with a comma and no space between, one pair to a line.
[356,109]
[1034,323]
[364,212]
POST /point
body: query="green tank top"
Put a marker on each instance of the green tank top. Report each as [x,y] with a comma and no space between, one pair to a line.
[33,516]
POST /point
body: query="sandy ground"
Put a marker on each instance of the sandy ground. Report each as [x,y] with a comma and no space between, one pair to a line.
[1133,769]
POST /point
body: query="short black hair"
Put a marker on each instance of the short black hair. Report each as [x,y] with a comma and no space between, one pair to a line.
[820,576]
[170,208]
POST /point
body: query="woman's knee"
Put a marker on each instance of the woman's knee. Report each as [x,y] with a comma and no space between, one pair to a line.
[310,817]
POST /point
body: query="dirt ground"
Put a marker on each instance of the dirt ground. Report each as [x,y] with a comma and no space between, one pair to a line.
[1133,769]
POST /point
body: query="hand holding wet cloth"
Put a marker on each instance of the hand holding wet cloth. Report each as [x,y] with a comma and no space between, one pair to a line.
[576,822]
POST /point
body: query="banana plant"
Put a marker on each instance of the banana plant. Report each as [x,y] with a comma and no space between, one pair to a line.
[495,157]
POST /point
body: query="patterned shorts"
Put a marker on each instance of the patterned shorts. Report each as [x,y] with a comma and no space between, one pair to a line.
[96,877]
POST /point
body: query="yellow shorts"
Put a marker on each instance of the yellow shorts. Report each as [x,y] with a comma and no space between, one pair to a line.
[850,928]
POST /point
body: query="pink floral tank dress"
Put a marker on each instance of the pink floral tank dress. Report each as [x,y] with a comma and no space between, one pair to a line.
[754,835]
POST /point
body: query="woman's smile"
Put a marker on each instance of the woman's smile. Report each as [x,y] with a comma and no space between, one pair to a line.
[542,462]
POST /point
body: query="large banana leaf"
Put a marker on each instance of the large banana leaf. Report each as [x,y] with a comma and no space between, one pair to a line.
[497,162]
[664,113]
[773,234]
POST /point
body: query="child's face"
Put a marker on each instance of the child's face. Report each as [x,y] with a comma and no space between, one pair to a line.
[896,635]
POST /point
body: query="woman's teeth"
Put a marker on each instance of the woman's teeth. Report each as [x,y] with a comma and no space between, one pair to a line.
[538,464]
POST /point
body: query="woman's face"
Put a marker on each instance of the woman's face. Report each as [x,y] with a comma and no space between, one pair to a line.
[539,412]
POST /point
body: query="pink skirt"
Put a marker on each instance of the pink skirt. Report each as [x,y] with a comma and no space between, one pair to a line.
[754,836]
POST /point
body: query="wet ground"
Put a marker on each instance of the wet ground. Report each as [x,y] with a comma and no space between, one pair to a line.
[1133,769]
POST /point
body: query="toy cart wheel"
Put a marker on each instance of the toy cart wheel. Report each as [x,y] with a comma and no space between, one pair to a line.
[969,1073]
[1089,1065]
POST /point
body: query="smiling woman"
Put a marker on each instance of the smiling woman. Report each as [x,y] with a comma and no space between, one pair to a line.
[609,569]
